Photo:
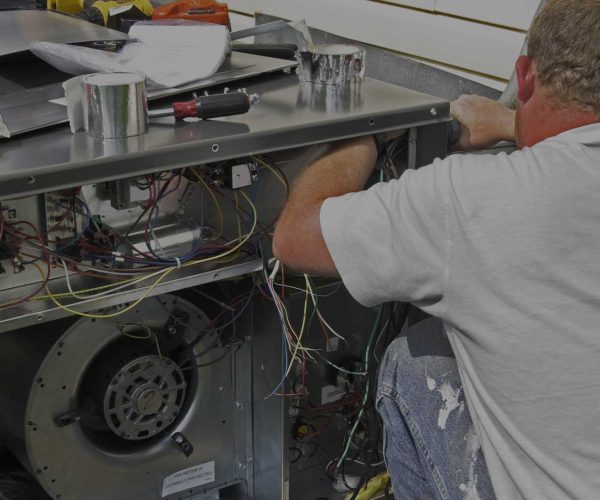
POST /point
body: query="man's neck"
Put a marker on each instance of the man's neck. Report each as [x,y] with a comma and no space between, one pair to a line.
[543,117]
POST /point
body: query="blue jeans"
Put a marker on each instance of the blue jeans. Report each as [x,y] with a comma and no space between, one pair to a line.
[431,448]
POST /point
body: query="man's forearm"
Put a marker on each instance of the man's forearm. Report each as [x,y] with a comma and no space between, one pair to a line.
[343,170]
[298,240]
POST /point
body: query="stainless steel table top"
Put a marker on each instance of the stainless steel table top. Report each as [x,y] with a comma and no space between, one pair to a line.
[18,28]
[288,115]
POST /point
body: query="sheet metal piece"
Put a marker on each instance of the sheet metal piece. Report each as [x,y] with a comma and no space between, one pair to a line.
[259,30]
[32,109]
[18,28]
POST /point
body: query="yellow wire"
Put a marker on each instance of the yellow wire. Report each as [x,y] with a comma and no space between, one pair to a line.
[162,276]
[237,213]
[273,171]
[215,200]
[117,313]
[139,277]
[89,290]
[299,341]
[149,332]
[16,301]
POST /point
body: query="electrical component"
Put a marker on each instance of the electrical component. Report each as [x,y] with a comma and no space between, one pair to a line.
[235,174]
[241,175]
[63,219]
[107,409]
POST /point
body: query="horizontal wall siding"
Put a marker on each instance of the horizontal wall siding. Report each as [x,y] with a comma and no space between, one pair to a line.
[513,13]
[481,38]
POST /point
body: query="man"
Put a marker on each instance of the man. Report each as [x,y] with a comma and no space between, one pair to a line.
[505,250]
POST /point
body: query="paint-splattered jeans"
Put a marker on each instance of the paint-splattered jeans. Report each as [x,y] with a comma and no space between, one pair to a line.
[431,448]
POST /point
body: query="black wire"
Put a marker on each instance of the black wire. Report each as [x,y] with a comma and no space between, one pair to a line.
[194,342]
[297,450]
[216,360]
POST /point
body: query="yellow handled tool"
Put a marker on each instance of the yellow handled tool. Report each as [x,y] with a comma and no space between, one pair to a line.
[374,486]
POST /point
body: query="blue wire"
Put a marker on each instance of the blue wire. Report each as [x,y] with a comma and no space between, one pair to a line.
[88,216]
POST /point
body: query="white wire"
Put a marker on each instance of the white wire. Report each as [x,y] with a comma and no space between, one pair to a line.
[320,295]
[314,299]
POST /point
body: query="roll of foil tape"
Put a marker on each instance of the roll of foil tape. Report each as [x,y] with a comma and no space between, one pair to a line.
[332,64]
[115,105]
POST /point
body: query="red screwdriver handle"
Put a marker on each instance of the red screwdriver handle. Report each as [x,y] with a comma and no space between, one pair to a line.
[213,106]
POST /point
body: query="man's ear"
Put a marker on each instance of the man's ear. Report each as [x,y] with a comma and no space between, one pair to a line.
[526,76]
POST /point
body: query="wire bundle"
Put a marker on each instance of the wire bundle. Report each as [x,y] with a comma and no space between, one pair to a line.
[110,254]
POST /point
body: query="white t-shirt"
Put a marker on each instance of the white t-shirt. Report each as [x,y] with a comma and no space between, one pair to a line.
[506,250]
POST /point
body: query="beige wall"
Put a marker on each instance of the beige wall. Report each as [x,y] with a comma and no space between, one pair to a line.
[477,38]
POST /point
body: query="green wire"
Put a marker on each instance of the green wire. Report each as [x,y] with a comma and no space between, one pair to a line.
[366,395]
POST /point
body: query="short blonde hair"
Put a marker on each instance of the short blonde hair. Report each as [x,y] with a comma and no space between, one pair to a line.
[564,43]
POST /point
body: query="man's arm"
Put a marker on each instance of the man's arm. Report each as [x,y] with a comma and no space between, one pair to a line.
[484,122]
[298,240]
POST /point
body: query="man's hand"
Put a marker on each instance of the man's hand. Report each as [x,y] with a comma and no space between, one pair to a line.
[484,122]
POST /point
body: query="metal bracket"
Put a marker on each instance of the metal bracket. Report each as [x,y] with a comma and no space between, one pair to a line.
[183,444]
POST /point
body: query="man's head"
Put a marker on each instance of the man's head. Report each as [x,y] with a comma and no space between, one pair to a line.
[559,80]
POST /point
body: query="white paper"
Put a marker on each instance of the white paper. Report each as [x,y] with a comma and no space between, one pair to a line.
[4,132]
[62,101]
[169,55]
[75,102]
[187,479]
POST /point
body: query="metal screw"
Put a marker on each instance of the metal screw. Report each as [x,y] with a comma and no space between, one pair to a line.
[239,405]
[241,465]
[433,111]
[221,389]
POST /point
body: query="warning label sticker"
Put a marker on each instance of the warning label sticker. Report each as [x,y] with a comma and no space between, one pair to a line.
[187,479]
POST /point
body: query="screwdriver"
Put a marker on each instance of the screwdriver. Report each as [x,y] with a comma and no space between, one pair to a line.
[209,106]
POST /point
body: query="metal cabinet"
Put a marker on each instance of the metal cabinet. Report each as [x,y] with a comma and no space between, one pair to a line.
[49,355]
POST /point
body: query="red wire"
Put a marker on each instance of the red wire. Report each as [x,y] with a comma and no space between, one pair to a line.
[16,302]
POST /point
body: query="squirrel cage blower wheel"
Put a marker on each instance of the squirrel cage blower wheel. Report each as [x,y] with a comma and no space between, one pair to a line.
[120,408]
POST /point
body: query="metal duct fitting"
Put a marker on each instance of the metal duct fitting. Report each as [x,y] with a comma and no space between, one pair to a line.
[335,64]
[107,410]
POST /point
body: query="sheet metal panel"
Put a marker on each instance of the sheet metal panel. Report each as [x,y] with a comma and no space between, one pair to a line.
[18,28]
[31,109]
[288,115]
